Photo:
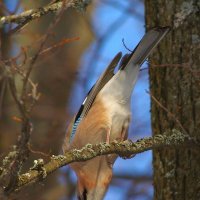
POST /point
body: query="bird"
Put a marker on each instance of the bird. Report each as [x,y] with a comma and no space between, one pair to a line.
[105,116]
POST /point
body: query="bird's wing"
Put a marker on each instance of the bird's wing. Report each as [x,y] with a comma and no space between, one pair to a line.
[104,78]
[92,129]
[87,103]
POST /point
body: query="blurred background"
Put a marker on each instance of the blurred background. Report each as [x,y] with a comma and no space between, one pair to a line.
[65,72]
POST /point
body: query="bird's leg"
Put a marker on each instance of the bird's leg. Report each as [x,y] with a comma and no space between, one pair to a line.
[124,134]
[108,136]
[124,131]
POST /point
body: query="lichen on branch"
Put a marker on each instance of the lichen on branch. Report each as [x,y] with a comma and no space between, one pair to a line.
[29,15]
[125,149]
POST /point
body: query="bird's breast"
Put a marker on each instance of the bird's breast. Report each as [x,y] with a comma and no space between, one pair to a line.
[119,114]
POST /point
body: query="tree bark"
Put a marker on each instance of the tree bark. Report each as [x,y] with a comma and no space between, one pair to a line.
[177,88]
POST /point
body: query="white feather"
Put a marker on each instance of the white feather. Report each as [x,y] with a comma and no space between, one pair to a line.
[120,87]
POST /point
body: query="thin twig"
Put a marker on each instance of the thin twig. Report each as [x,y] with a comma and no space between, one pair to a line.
[181,65]
[126,46]
[32,14]
[3,82]
[167,111]
[33,61]
[38,152]
[59,44]
[23,52]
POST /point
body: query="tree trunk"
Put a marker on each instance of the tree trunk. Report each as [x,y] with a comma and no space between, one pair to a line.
[177,88]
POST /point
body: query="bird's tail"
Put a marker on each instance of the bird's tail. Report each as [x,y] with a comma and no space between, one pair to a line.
[122,84]
[145,46]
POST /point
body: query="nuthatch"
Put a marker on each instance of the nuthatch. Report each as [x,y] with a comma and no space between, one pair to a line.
[105,115]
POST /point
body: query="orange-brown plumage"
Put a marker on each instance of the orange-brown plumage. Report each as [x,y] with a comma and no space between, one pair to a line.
[93,129]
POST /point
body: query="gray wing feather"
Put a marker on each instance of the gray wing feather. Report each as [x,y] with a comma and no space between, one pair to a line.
[104,78]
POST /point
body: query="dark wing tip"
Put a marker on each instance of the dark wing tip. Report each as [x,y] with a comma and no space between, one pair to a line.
[117,58]
[119,54]
[115,61]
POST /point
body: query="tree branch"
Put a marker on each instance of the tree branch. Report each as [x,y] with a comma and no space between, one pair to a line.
[29,15]
[124,149]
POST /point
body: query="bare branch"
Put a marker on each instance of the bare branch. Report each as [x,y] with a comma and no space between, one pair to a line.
[32,14]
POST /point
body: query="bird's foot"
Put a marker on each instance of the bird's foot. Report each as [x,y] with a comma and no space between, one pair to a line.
[108,137]
[128,156]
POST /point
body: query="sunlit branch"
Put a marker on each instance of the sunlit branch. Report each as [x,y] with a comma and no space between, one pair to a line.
[32,14]
[124,149]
